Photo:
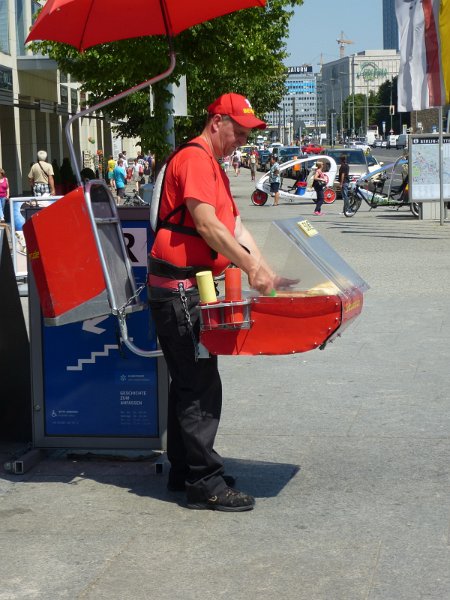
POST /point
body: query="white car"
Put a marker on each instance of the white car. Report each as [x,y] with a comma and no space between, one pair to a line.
[273,145]
[359,144]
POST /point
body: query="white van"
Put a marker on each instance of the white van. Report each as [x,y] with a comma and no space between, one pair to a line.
[392,141]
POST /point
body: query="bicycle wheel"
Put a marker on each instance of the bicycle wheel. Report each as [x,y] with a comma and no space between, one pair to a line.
[259,198]
[354,202]
[329,196]
[414,207]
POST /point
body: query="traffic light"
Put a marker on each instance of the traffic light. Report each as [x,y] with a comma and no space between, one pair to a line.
[392,110]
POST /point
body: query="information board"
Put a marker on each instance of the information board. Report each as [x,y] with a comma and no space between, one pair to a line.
[424,181]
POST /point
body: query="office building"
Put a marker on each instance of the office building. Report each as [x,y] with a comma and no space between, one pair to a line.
[359,73]
[297,113]
[390,28]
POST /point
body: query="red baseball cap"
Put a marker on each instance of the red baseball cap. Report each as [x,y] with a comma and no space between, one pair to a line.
[238,108]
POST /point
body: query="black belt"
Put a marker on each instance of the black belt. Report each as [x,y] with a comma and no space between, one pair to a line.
[162,268]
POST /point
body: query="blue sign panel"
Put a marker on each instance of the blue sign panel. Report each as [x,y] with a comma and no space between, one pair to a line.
[93,386]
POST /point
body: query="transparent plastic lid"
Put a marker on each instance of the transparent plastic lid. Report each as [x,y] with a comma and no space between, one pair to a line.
[295,250]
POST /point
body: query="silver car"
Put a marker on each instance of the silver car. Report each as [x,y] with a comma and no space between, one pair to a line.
[358,161]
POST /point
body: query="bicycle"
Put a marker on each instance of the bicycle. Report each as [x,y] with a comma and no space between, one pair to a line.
[377,189]
[133,200]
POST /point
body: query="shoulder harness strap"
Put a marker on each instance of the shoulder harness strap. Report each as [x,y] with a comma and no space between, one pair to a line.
[165,223]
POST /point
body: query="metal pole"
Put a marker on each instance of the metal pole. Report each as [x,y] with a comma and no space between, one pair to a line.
[293,117]
[390,104]
[441,167]
[353,95]
[170,123]
[367,108]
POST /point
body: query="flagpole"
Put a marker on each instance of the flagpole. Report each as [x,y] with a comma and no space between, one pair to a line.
[441,167]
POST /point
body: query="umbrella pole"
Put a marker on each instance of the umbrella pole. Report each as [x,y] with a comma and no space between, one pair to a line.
[108,101]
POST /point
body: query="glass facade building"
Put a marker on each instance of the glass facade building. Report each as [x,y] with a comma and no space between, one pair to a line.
[297,113]
[390,28]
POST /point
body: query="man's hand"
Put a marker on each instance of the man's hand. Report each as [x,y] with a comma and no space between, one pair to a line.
[262,279]
[284,283]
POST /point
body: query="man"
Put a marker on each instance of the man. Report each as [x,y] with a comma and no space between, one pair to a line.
[120,179]
[344,180]
[274,178]
[200,228]
[41,176]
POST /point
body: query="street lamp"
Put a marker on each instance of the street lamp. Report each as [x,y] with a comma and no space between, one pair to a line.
[353,95]
[342,121]
[324,107]
[367,107]
[342,98]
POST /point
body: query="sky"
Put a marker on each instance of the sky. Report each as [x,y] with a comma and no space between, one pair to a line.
[317,24]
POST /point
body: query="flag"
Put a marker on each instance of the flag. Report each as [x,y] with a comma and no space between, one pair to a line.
[424,75]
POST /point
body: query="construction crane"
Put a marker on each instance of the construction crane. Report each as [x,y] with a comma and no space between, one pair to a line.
[342,41]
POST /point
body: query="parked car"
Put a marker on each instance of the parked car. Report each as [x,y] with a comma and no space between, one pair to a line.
[274,146]
[286,153]
[263,160]
[359,163]
[358,143]
[377,143]
[402,141]
[312,149]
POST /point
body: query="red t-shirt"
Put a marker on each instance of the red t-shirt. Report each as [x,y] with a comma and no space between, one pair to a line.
[194,173]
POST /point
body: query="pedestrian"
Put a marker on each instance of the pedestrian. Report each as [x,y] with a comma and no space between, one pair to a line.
[138,173]
[4,194]
[344,179]
[200,228]
[152,166]
[236,161]
[226,163]
[110,171]
[148,166]
[274,179]
[41,176]
[120,179]
[319,185]
[252,162]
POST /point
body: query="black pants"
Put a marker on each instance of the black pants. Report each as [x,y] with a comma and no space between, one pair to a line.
[195,397]
[320,195]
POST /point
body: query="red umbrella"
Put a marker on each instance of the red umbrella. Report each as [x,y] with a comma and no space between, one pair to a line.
[86,23]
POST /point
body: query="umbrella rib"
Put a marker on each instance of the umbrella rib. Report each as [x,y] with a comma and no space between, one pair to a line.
[81,45]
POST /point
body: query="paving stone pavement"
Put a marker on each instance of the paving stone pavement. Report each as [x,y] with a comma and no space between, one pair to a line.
[347,452]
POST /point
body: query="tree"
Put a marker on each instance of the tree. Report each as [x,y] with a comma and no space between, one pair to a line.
[386,97]
[355,107]
[242,52]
